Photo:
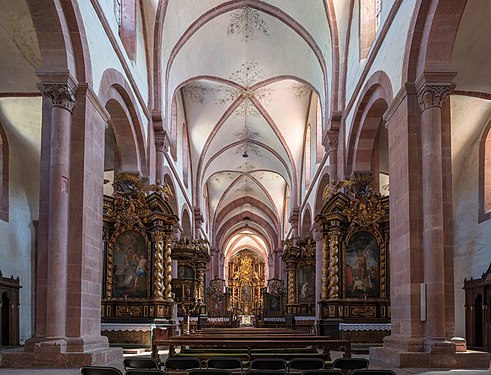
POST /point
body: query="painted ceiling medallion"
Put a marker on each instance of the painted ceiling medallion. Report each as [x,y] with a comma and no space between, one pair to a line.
[247,22]
[245,185]
[196,93]
[246,135]
[301,90]
[247,76]
[246,167]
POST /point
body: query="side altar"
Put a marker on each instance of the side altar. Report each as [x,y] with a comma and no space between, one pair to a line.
[137,234]
[354,222]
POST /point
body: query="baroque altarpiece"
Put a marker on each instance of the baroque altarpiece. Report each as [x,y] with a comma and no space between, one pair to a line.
[299,257]
[246,282]
[137,233]
[191,255]
[354,222]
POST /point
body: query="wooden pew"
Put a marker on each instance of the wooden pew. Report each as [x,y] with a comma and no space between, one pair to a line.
[250,343]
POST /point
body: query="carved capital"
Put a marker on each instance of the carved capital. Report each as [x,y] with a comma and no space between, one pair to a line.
[161,143]
[433,95]
[60,95]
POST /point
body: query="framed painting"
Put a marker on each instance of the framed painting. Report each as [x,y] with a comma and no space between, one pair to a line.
[274,303]
[362,266]
[306,284]
[131,266]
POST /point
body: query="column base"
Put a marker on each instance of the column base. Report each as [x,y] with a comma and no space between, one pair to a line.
[410,352]
[64,353]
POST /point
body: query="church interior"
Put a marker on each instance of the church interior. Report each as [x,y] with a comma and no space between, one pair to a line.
[312,174]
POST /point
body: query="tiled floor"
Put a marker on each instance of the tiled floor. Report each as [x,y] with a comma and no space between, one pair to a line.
[405,371]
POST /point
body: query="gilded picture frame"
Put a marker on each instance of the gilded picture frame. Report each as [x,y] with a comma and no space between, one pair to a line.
[363,264]
[129,265]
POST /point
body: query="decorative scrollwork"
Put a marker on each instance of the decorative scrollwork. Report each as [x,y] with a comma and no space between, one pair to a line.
[217,286]
[275,286]
[130,207]
[365,206]
[307,248]
[163,190]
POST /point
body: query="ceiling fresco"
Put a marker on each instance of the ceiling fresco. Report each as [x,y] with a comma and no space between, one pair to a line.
[248,73]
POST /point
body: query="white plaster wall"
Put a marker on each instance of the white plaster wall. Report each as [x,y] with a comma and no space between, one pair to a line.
[389,59]
[103,56]
[17,245]
[182,193]
[472,253]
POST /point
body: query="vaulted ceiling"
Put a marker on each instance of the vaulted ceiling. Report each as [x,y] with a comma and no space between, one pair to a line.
[249,73]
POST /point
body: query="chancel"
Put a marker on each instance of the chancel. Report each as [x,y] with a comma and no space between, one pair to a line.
[250,178]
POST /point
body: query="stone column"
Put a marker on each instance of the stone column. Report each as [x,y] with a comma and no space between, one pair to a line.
[333,154]
[161,147]
[62,98]
[430,99]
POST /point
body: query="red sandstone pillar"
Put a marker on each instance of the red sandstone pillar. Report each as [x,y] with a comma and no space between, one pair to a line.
[160,150]
[430,99]
[62,99]
[333,154]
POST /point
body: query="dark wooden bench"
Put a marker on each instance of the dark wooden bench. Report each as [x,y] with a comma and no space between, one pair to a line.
[250,343]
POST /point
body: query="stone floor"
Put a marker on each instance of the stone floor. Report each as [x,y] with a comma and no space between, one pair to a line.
[163,355]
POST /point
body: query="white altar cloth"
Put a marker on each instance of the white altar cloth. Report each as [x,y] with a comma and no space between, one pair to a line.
[364,326]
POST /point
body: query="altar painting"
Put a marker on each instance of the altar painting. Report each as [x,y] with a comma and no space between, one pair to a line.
[306,284]
[131,266]
[362,266]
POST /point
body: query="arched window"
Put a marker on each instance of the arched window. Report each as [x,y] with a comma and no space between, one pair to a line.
[307,156]
[125,13]
[369,17]
[4,176]
[485,175]
[185,155]
[319,148]
[173,130]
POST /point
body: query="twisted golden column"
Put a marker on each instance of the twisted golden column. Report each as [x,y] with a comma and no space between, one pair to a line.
[325,268]
[291,286]
[158,266]
[201,285]
[109,273]
[333,267]
[167,270]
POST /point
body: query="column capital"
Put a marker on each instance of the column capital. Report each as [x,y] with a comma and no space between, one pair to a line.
[433,89]
[433,95]
[60,95]
[332,140]
[162,141]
